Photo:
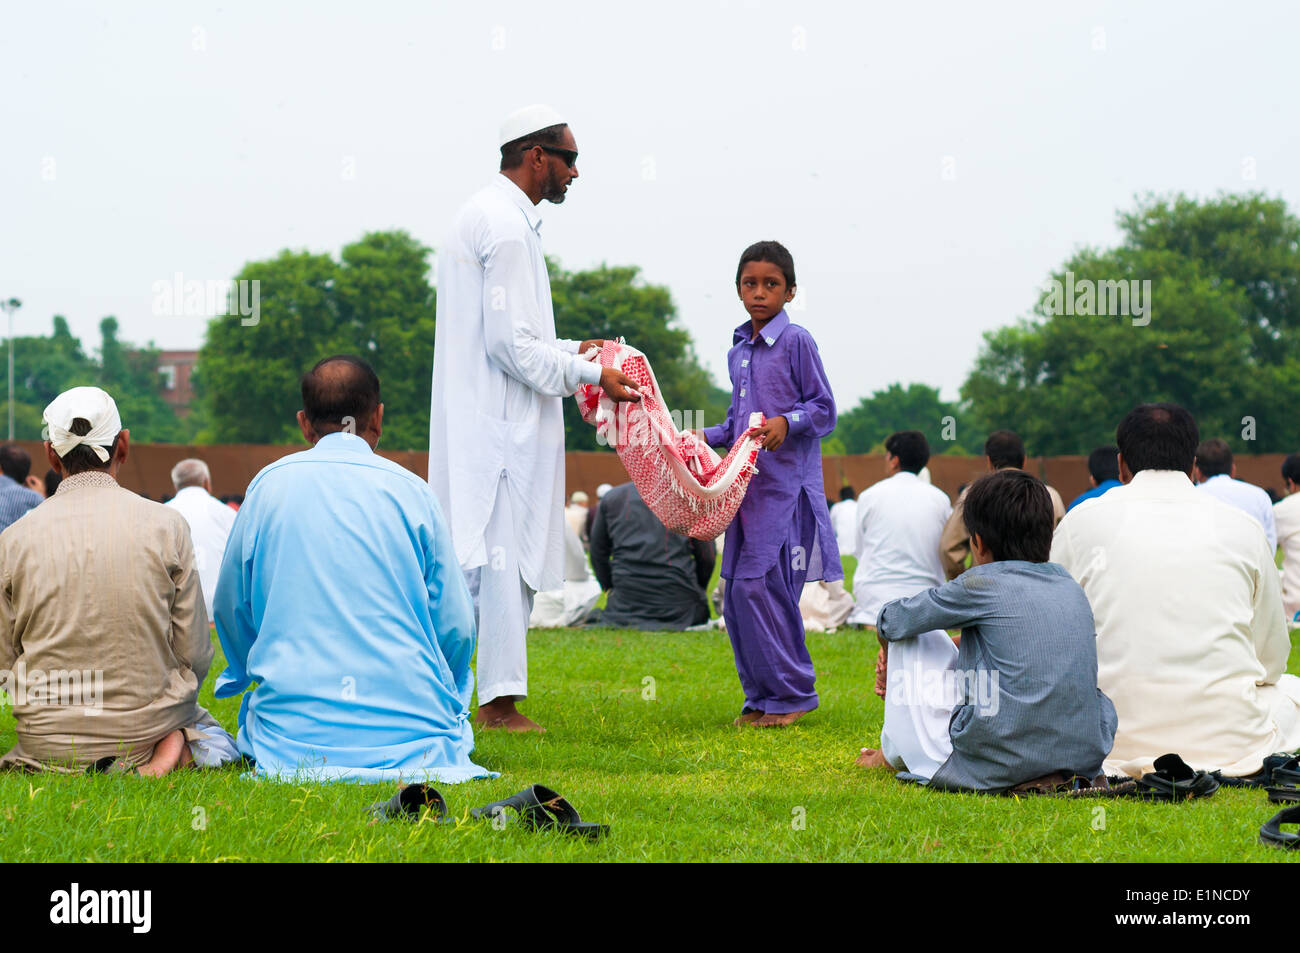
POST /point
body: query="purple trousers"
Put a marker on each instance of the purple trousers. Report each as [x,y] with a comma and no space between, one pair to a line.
[766,631]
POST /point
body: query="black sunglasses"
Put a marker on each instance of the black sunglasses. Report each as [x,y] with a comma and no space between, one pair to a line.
[568,155]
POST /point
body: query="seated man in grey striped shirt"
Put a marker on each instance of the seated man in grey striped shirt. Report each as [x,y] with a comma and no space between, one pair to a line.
[1024,697]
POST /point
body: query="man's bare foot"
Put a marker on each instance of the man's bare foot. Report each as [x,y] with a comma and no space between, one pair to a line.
[167,756]
[872,758]
[748,718]
[502,713]
[779,721]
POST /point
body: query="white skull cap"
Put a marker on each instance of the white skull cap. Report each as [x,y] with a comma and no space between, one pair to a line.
[530,119]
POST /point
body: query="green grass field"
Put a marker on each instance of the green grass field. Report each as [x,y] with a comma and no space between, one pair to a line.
[663,767]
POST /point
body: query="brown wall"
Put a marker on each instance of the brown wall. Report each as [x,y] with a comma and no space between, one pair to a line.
[148,468]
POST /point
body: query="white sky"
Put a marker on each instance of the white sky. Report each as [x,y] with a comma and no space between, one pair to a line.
[143,139]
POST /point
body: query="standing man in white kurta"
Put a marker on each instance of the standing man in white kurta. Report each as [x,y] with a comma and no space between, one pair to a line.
[496,430]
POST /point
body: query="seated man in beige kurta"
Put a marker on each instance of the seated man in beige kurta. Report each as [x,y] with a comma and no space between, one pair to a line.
[1003,450]
[1191,643]
[103,635]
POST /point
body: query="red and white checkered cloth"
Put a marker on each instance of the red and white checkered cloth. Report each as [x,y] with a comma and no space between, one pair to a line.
[685,484]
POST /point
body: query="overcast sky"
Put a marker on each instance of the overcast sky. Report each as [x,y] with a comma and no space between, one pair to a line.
[927,164]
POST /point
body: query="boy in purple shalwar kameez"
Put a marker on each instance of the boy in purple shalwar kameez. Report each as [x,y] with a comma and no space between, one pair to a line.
[781,536]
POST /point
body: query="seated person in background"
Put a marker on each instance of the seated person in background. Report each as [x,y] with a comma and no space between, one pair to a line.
[575,514]
[1215,473]
[591,512]
[899,521]
[1003,450]
[99,583]
[340,595]
[1103,474]
[571,605]
[844,521]
[209,520]
[19,490]
[1286,517]
[655,578]
[824,606]
[1191,642]
[1023,697]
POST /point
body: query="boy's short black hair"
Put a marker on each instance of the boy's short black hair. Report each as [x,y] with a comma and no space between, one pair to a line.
[1291,468]
[1103,463]
[846,493]
[1005,449]
[773,252]
[1011,512]
[1213,457]
[1158,437]
[911,448]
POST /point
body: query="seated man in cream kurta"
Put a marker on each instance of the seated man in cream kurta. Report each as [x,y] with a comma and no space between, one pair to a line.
[103,636]
[1191,642]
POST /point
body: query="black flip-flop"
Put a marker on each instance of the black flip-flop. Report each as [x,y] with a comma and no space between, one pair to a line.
[1271,833]
[407,804]
[539,808]
[1284,787]
[1174,780]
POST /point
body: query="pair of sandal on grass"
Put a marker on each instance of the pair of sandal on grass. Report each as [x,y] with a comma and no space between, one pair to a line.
[1172,780]
[537,808]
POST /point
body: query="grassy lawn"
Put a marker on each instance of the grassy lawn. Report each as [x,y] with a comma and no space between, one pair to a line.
[668,772]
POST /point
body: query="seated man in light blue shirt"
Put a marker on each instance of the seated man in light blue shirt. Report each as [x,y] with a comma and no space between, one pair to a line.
[1103,474]
[341,597]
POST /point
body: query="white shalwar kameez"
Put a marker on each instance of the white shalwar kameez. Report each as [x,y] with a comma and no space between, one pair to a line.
[899,522]
[496,429]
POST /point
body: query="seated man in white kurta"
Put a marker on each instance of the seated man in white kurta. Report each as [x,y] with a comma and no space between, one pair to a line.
[1191,641]
[900,520]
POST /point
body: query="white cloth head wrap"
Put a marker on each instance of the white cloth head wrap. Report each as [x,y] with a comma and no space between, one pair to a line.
[530,119]
[87,403]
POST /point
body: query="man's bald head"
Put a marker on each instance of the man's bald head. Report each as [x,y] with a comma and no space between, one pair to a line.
[340,393]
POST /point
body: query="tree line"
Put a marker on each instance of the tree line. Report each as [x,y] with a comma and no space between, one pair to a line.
[1199,303]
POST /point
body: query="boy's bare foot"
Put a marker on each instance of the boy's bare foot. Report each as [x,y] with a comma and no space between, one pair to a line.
[779,721]
[167,756]
[748,718]
[872,758]
[502,713]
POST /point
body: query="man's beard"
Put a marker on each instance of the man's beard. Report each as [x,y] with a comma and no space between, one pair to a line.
[554,190]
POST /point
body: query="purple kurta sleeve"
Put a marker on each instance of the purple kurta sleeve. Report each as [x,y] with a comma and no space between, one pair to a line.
[814,414]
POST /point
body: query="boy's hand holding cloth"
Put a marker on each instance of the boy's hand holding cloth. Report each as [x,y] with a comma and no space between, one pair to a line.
[682,480]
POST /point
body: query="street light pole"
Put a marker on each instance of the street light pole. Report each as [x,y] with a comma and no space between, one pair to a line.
[10,306]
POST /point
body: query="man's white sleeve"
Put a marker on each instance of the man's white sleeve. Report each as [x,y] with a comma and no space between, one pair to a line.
[1268,628]
[512,327]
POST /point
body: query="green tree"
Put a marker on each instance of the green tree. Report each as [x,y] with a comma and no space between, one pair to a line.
[131,376]
[916,407]
[44,367]
[1221,340]
[375,302]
